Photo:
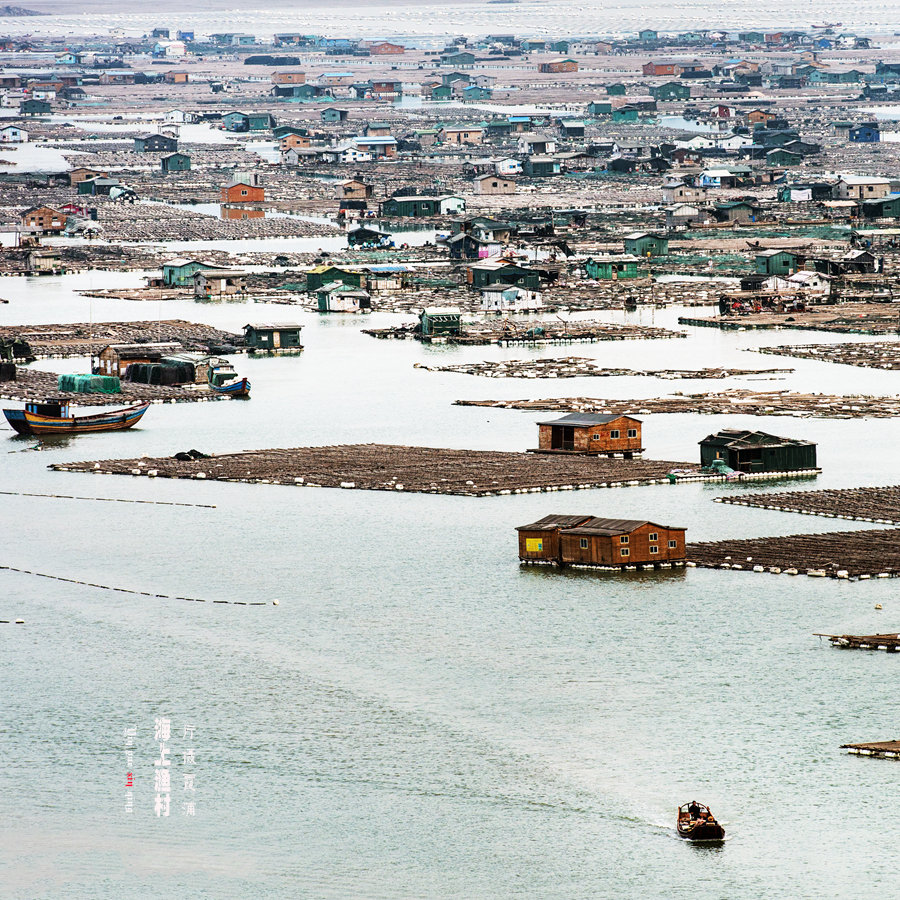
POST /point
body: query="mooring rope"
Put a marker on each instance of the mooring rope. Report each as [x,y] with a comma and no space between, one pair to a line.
[106,587]
[107,499]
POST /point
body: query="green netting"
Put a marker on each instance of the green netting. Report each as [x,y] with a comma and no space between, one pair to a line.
[89,384]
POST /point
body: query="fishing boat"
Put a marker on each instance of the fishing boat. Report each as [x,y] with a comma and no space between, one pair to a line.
[697,823]
[52,417]
[239,388]
[222,378]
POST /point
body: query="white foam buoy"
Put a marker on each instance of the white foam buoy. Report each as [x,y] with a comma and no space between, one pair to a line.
[274,603]
[877,606]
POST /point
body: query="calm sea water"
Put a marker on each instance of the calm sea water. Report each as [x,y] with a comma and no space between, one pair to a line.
[419,716]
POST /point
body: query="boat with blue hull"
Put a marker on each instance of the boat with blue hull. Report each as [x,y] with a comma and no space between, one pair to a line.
[239,388]
[52,417]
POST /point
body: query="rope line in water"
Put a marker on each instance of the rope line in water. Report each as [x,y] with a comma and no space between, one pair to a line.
[106,587]
[107,499]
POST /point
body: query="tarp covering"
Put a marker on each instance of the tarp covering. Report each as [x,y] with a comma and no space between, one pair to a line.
[89,384]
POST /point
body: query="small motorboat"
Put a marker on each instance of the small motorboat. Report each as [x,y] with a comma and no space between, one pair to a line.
[52,417]
[697,823]
[237,388]
[222,378]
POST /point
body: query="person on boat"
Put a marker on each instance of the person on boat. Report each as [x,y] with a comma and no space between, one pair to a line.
[694,810]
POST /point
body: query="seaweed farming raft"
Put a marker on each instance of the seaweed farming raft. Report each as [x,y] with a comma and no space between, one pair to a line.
[31,384]
[383,467]
[536,332]
[732,401]
[867,504]
[879,749]
[844,554]
[580,367]
[888,642]
[84,339]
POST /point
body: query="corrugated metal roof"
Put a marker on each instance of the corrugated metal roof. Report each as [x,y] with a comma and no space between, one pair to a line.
[554,521]
[585,419]
[608,527]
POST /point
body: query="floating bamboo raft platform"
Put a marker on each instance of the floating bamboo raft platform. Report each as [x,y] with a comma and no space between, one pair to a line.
[844,554]
[507,332]
[580,367]
[888,642]
[83,338]
[877,355]
[737,401]
[31,384]
[382,467]
[845,318]
[880,749]
[867,504]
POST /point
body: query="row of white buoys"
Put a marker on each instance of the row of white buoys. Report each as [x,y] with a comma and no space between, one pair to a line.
[12,621]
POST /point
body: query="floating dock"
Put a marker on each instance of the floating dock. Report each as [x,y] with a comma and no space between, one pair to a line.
[887,642]
[86,338]
[843,554]
[844,318]
[31,384]
[734,401]
[880,505]
[875,355]
[383,467]
[580,367]
[507,333]
[880,749]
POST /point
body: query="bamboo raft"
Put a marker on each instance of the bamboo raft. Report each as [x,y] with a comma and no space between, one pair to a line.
[879,749]
[880,505]
[733,401]
[83,338]
[507,332]
[876,355]
[580,367]
[381,467]
[888,642]
[857,555]
[32,384]
[846,318]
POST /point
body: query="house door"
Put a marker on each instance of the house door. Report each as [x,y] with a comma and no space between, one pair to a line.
[563,438]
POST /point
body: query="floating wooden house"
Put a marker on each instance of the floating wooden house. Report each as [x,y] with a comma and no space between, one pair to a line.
[338,297]
[598,435]
[438,322]
[114,359]
[596,542]
[539,542]
[211,283]
[620,542]
[278,339]
[756,451]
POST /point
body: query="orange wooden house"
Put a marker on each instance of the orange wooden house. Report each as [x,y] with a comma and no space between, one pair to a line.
[295,142]
[598,435]
[596,542]
[238,192]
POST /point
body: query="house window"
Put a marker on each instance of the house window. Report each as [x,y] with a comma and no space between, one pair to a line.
[673,545]
[595,437]
[584,543]
[614,434]
[624,552]
[653,536]
[654,548]
[632,432]
[623,539]
[243,193]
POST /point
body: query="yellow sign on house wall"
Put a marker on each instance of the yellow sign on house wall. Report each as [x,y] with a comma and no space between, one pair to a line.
[534,545]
